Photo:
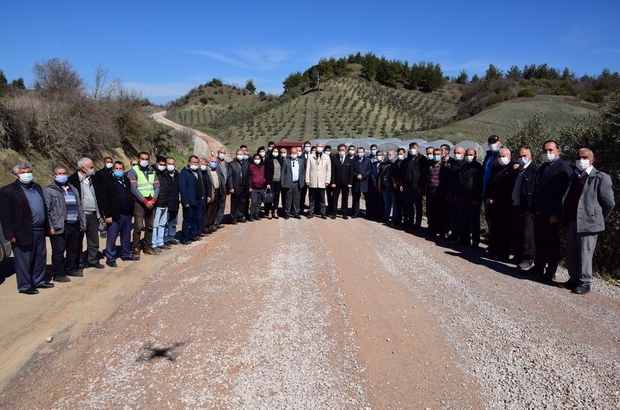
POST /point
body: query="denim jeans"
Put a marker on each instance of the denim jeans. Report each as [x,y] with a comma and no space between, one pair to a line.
[159,226]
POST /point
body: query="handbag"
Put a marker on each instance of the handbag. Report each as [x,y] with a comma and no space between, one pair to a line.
[268,197]
[5,246]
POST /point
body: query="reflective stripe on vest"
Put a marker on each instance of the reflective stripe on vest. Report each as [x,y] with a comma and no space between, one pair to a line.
[145,184]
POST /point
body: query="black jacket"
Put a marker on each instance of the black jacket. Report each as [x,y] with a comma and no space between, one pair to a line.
[500,185]
[164,188]
[173,189]
[470,182]
[238,176]
[416,172]
[528,184]
[551,183]
[15,213]
[270,169]
[342,174]
[108,197]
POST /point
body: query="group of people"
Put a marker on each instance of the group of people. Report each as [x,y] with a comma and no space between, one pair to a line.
[525,204]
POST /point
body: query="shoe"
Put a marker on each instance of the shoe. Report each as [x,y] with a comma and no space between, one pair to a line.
[275,215]
[323,216]
[220,226]
[31,291]
[310,216]
[136,253]
[269,215]
[570,285]
[111,264]
[526,265]
[77,274]
[242,220]
[150,251]
[130,258]
[185,242]
[286,217]
[164,246]
[45,286]
[196,238]
[61,279]
[333,216]
[296,216]
[103,235]
[345,216]
[250,219]
[234,222]
[95,265]
[201,235]
[581,289]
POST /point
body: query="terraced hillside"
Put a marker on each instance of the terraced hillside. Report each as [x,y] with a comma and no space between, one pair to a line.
[344,107]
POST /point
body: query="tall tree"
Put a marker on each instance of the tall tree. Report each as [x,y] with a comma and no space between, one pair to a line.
[57,77]
[249,85]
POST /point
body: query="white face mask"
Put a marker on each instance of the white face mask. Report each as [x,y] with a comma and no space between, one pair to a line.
[203,167]
[493,147]
[458,157]
[319,150]
[523,161]
[401,157]
[221,156]
[144,163]
[275,154]
[429,156]
[194,167]
[351,153]
[360,155]
[379,158]
[170,168]
[257,161]
[504,161]
[293,156]
[307,149]
[548,157]
[283,155]
[240,157]
[582,164]
[26,178]
[161,168]
[413,151]
[469,158]
[109,165]
[341,154]
[328,152]
[262,154]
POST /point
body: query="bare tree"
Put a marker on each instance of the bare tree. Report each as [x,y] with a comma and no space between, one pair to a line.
[317,76]
[103,86]
[57,77]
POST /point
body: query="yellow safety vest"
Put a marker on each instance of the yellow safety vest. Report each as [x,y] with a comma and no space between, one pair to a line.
[145,183]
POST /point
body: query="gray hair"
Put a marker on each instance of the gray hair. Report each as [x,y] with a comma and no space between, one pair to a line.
[57,167]
[83,161]
[21,165]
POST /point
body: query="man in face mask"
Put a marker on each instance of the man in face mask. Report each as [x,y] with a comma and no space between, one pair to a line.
[453,182]
[303,155]
[218,189]
[384,185]
[588,202]
[522,224]
[24,223]
[414,185]
[429,153]
[291,181]
[551,183]
[238,186]
[193,195]
[161,209]
[498,198]
[100,175]
[223,168]
[116,206]
[469,193]
[66,217]
[341,181]
[172,177]
[361,175]
[318,176]
[83,181]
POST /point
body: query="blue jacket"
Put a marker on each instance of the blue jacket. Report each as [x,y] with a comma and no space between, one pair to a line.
[187,186]
[361,168]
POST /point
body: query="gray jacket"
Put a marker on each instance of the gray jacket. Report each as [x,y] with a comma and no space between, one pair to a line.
[57,207]
[596,202]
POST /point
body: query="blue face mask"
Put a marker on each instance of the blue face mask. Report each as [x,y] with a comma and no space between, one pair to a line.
[118,174]
[213,165]
[437,158]
[61,179]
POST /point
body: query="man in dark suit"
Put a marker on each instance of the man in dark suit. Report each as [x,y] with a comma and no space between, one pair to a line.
[522,225]
[414,180]
[341,181]
[303,155]
[218,189]
[376,197]
[25,224]
[293,178]
[238,185]
[361,175]
[587,203]
[551,183]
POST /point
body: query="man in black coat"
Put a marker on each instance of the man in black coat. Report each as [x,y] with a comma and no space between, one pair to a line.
[469,194]
[115,202]
[415,179]
[238,185]
[341,181]
[24,222]
[522,225]
[551,183]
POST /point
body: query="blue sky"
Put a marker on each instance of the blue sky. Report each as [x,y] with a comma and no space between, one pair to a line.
[163,49]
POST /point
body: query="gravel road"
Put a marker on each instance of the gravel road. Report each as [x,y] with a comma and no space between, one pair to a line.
[316,314]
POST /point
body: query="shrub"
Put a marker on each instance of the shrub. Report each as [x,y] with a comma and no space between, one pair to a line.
[526,92]
[593,96]
[204,100]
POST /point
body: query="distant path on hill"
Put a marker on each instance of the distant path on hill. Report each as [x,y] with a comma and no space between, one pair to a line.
[203,143]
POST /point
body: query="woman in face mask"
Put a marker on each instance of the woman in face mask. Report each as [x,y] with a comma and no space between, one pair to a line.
[273,172]
[258,184]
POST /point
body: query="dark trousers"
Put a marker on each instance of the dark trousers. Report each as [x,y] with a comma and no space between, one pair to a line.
[469,220]
[374,203]
[344,201]
[30,262]
[302,198]
[143,221]
[192,216]
[523,244]
[212,209]
[257,195]
[500,228]
[356,202]
[220,210]
[65,250]
[547,241]
[171,227]
[275,190]
[454,216]
[317,196]
[329,191]
[92,239]
[413,206]
[116,228]
[237,204]
[291,200]
[397,206]
[434,211]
